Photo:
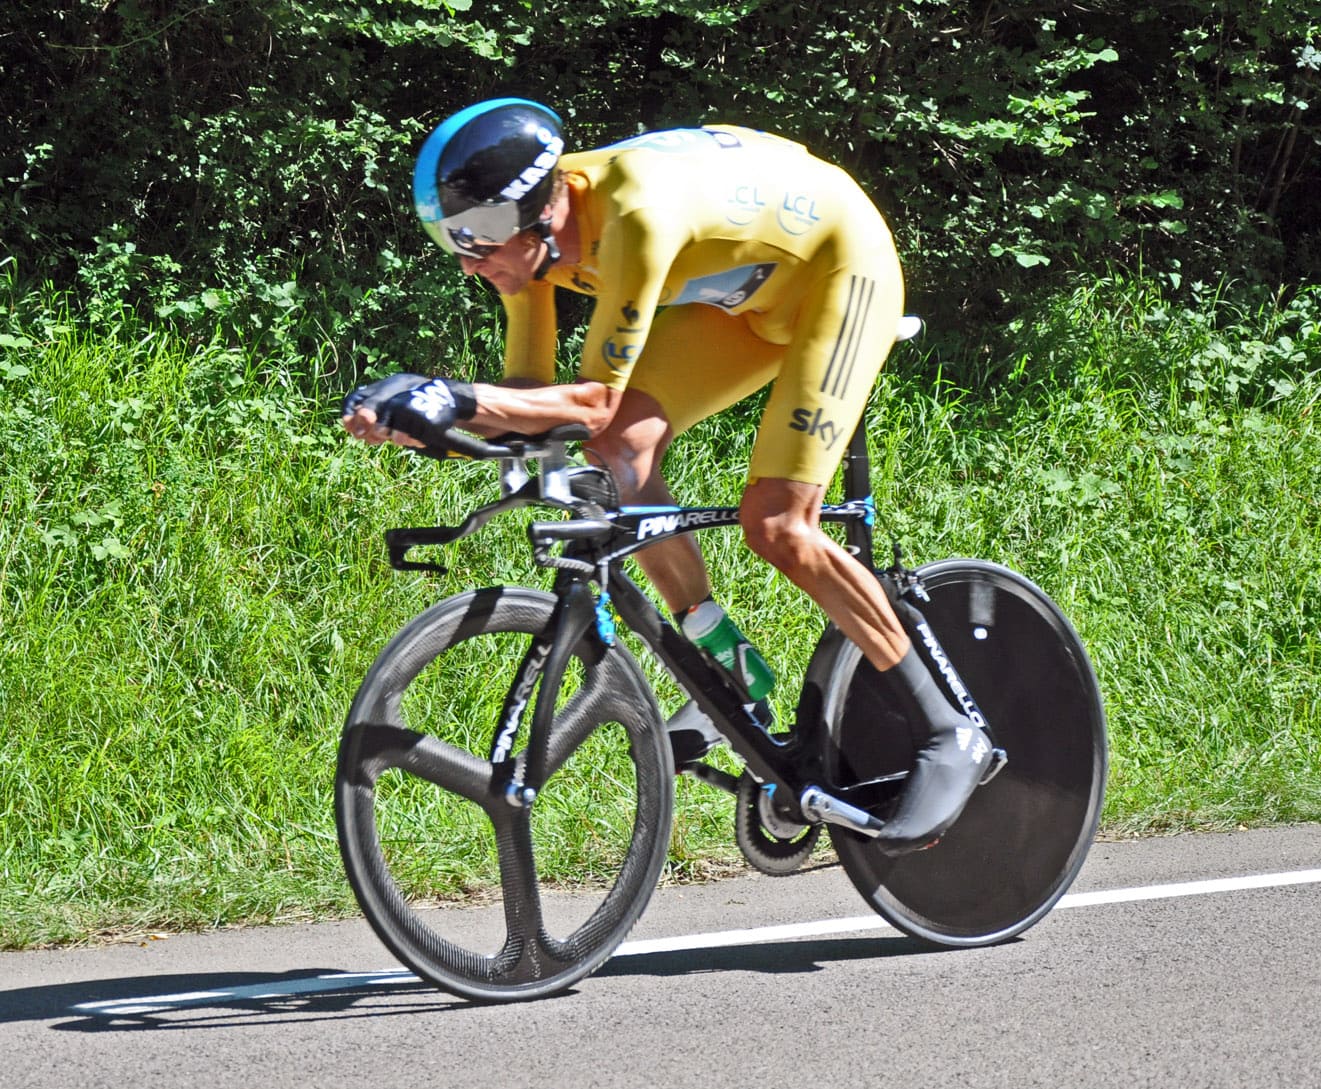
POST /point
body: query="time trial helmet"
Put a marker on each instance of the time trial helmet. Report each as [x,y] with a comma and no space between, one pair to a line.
[486,174]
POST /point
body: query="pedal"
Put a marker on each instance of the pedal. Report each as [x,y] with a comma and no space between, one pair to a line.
[692,735]
[999,758]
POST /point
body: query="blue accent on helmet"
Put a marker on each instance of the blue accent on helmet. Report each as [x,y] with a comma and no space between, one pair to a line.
[426,192]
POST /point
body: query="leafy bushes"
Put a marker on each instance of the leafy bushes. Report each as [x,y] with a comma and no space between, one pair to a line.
[243,163]
[207,234]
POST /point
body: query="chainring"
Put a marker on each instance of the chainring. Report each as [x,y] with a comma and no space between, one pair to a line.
[770,840]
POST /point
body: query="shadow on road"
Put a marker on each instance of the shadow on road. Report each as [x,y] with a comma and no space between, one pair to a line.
[228,999]
[774,957]
[220,999]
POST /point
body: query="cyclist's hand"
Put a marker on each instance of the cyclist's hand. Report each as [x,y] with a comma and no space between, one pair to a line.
[407,409]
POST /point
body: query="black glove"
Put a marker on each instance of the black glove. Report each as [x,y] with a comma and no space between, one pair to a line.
[422,408]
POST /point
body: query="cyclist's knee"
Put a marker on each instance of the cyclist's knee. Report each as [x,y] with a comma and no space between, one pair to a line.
[632,450]
[788,547]
[779,522]
[782,539]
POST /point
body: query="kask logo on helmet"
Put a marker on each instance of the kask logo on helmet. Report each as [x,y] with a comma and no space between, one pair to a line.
[542,165]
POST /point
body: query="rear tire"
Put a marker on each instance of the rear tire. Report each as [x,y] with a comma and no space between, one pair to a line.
[1024,836]
[423,816]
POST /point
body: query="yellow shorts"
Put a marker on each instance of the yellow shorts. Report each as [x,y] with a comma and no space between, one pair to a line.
[699,360]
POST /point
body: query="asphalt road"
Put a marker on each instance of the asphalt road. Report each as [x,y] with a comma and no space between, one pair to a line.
[1163,968]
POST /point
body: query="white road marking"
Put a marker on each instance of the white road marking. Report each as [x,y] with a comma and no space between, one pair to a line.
[251,992]
[342,981]
[756,936]
[722,938]
[1191,888]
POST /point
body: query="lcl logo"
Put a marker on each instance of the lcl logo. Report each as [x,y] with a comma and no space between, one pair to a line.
[744,205]
[797,214]
[619,356]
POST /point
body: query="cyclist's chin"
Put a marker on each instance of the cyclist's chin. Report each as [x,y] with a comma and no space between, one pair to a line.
[507,283]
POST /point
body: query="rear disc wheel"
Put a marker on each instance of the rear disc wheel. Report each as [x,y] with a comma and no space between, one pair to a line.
[1023,836]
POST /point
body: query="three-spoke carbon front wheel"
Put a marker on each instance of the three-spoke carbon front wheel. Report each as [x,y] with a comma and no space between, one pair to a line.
[425,814]
[1024,835]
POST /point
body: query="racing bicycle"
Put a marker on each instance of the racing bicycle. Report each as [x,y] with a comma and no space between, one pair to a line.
[500,715]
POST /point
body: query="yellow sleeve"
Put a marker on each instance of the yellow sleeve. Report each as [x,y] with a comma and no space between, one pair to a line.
[530,333]
[635,258]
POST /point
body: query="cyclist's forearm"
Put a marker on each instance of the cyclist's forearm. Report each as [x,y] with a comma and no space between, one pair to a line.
[530,411]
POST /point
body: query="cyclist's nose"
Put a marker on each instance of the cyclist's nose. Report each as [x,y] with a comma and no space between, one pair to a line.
[469,264]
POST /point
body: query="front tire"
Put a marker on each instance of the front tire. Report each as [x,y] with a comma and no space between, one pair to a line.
[423,815]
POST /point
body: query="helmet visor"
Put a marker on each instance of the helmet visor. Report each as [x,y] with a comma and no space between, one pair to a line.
[477,231]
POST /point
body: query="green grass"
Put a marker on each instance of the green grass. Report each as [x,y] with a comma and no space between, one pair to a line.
[192,583]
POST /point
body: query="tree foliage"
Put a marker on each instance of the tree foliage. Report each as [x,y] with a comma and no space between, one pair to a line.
[249,160]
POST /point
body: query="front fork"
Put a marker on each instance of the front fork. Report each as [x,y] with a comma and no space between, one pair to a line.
[545,660]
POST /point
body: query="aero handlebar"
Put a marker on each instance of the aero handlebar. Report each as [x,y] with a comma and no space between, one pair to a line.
[459,444]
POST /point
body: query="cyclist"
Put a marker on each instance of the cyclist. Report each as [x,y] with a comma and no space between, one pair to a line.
[721,259]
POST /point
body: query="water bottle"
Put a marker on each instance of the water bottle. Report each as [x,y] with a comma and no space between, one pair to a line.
[707,625]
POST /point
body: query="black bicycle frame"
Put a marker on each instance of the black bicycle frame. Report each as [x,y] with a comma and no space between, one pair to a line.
[600,554]
[594,549]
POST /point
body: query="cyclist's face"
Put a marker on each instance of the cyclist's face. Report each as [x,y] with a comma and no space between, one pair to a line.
[508,268]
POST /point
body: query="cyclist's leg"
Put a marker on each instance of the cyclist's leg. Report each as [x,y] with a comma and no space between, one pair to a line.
[814,407]
[698,361]
[780,519]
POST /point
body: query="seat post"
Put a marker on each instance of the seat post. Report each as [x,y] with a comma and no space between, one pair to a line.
[857,486]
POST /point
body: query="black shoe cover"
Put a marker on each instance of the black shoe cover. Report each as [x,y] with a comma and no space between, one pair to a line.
[947,770]
[692,735]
